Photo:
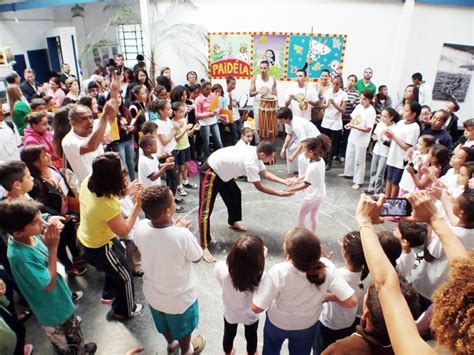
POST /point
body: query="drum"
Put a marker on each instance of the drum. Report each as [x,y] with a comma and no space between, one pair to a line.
[267,118]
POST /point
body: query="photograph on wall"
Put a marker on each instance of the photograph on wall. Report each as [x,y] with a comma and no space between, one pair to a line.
[272,48]
[230,55]
[315,53]
[454,73]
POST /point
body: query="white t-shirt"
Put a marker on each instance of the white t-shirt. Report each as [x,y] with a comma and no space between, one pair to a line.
[362,117]
[335,316]
[299,93]
[235,105]
[469,144]
[333,118]
[315,176]
[301,129]
[146,167]
[379,148]
[406,182]
[234,161]
[236,303]
[164,128]
[242,143]
[10,142]
[429,276]
[169,282]
[405,264]
[409,133]
[81,163]
[293,302]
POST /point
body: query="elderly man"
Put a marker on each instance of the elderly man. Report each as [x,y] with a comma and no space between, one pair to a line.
[83,144]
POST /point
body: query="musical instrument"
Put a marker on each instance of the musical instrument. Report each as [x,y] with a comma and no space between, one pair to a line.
[267,117]
[300,98]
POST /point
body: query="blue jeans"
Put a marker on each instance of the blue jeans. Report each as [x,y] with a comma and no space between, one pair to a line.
[216,136]
[127,155]
[300,342]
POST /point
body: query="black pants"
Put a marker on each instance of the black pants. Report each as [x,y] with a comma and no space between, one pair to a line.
[211,185]
[172,178]
[326,336]
[111,259]
[230,330]
[67,241]
[335,141]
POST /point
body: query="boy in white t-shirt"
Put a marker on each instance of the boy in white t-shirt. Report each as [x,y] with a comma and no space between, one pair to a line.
[411,235]
[168,250]
[363,120]
[149,168]
[236,126]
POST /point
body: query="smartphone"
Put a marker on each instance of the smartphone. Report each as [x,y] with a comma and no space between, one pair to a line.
[399,207]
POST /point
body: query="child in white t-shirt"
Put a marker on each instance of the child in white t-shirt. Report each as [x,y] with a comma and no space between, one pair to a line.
[361,124]
[411,235]
[149,168]
[246,136]
[169,250]
[294,292]
[313,182]
[336,322]
[238,287]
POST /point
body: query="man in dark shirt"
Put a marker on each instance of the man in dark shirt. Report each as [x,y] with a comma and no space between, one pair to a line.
[436,130]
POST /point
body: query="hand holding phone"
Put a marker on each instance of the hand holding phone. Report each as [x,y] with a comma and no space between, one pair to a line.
[396,207]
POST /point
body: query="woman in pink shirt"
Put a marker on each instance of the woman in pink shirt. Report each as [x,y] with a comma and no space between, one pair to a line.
[207,119]
[55,91]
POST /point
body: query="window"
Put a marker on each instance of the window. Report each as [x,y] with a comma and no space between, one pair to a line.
[130,39]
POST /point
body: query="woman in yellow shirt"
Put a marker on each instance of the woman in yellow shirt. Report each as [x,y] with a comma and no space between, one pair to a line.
[101,227]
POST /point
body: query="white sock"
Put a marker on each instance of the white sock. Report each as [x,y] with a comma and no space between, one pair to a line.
[186,181]
[190,351]
[174,344]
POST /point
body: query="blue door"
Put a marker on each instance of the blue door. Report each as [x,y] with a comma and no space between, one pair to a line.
[39,62]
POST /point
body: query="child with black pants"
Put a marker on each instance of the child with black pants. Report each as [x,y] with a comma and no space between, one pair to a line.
[238,287]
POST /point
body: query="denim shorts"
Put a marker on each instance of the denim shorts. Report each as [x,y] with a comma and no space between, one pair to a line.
[178,325]
[394,175]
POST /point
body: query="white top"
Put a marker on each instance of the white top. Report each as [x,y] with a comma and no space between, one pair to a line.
[405,263]
[424,94]
[236,303]
[242,143]
[315,176]
[335,316]
[301,129]
[146,167]
[10,142]
[409,133]
[165,127]
[234,161]
[429,276]
[293,302]
[235,105]
[379,148]
[299,93]
[259,84]
[169,282]
[406,182]
[81,163]
[469,143]
[333,118]
[362,117]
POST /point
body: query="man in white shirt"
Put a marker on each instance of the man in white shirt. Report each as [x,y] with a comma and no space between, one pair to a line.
[236,126]
[301,97]
[10,140]
[297,128]
[82,145]
[424,91]
[217,177]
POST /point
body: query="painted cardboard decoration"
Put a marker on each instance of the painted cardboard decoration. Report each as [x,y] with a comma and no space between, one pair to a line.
[455,68]
[239,53]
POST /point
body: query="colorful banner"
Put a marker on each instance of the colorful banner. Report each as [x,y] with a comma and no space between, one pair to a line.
[238,54]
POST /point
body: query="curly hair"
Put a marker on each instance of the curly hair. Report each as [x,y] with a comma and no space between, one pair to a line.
[453,313]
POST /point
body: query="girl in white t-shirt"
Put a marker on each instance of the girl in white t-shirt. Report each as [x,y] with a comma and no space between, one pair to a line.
[337,322]
[294,291]
[239,280]
[388,117]
[313,182]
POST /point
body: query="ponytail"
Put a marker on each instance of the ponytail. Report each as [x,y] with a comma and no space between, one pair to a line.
[317,274]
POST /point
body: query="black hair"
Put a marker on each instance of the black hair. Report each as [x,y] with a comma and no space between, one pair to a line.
[155,200]
[177,93]
[415,95]
[325,70]
[352,248]
[442,155]
[415,107]
[189,73]
[426,106]
[285,113]
[149,127]
[229,79]
[468,123]
[392,113]
[391,245]
[368,94]
[61,127]
[414,233]
[354,76]
[456,105]
[246,263]
[469,153]
[37,102]
[10,78]
[205,83]
[157,105]
[444,114]
[36,117]
[107,178]
[466,203]
[30,155]
[92,85]
[140,57]
[16,214]
[55,79]
[417,76]
[428,139]
[266,148]
[218,87]
[135,91]
[10,172]
[320,145]
[146,141]
[176,105]
[86,100]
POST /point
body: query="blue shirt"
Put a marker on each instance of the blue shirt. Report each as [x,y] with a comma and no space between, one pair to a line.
[29,264]
[441,135]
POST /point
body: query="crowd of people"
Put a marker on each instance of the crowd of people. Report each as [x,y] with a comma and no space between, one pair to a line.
[94,172]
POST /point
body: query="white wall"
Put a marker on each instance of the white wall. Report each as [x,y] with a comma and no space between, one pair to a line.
[373,28]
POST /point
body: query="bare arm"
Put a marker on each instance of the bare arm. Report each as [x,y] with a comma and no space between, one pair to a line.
[253,89]
[349,303]
[272,177]
[296,152]
[288,139]
[51,240]
[299,187]
[341,108]
[267,190]
[121,226]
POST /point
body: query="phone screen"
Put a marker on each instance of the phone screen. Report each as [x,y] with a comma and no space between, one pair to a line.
[396,207]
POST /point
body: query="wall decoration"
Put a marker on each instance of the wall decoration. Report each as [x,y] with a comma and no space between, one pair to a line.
[239,53]
[455,69]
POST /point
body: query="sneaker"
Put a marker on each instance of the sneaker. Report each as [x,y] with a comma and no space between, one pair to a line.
[107,301]
[180,209]
[190,186]
[76,296]
[182,191]
[76,270]
[28,349]
[198,344]
[139,308]
[179,200]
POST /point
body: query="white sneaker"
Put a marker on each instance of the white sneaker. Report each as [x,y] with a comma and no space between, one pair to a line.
[182,191]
